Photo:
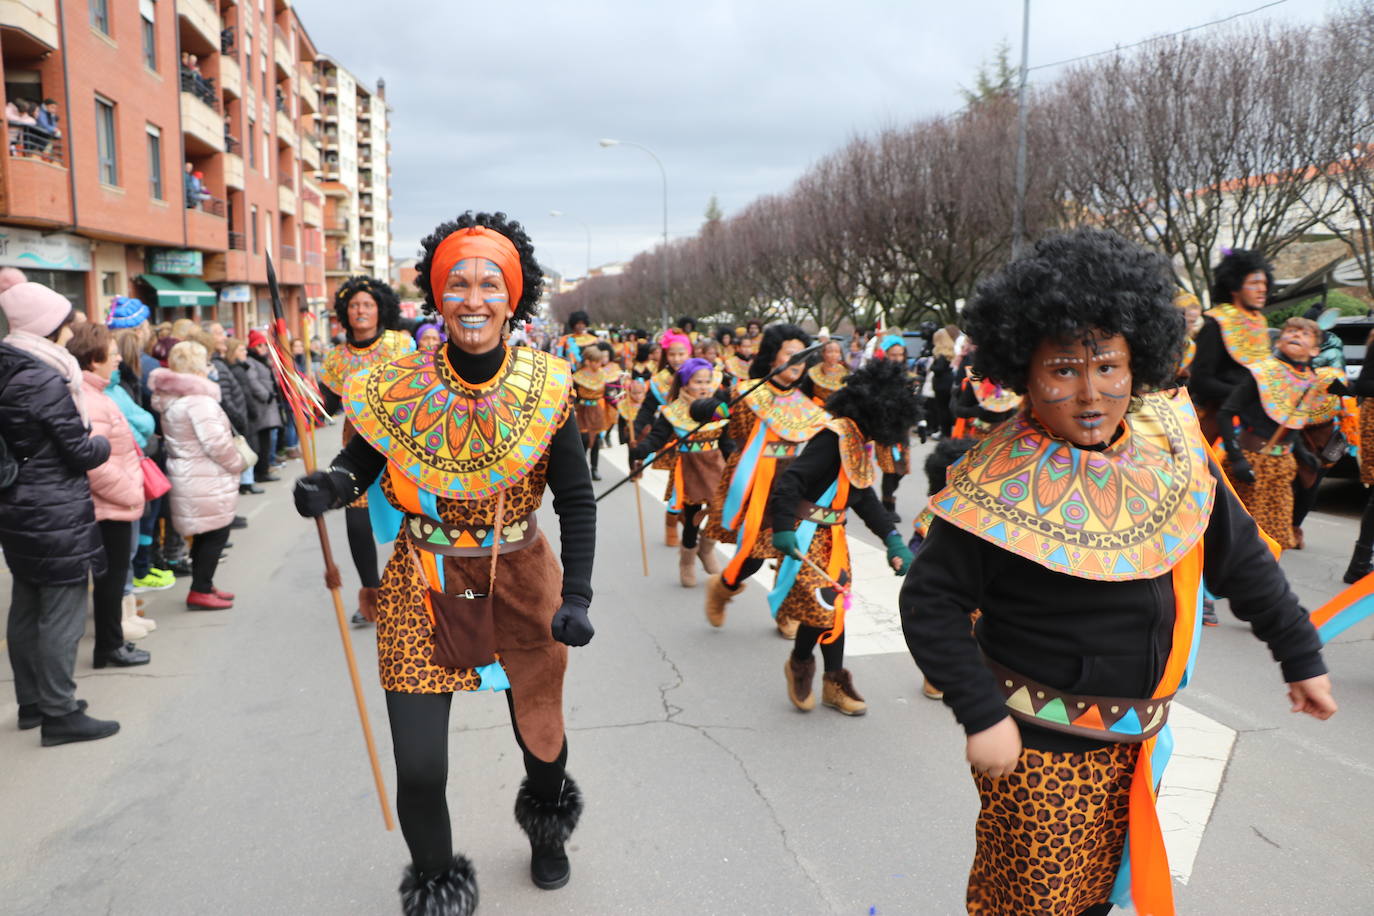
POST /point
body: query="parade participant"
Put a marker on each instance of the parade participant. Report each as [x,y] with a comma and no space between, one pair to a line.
[674,351]
[1362,559]
[828,374]
[1233,335]
[981,406]
[429,336]
[628,408]
[833,473]
[642,366]
[614,375]
[695,462]
[726,338]
[570,345]
[1283,396]
[894,458]
[464,440]
[1192,316]
[370,313]
[769,425]
[687,327]
[1082,529]
[589,386]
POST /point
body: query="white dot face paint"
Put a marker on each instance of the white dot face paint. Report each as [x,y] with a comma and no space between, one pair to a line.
[475,305]
[1080,388]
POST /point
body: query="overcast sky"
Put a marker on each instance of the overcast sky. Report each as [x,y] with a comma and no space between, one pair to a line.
[501,107]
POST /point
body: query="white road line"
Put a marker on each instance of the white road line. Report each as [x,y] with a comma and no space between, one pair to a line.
[1202,745]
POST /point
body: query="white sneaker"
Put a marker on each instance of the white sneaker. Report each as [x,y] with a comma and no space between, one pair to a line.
[134,629]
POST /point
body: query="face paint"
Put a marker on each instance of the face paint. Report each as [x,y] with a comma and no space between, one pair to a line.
[362,315]
[699,385]
[475,305]
[788,377]
[1253,292]
[1080,389]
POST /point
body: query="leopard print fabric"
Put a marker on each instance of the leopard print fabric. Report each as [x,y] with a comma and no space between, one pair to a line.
[1050,835]
[1269,500]
[739,428]
[800,603]
[890,464]
[1367,441]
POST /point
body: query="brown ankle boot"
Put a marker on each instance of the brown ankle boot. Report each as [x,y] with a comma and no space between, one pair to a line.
[706,550]
[800,676]
[787,627]
[670,537]
[687,567]
[837,692]
[931,692]
[718,595]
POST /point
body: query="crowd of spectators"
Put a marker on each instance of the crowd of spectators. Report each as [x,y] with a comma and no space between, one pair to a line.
[33,128]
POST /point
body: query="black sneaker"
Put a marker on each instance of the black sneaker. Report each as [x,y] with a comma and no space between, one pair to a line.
[30,716]
[359,621]
[266,478]
[239,522]
[250,489]
[76,726]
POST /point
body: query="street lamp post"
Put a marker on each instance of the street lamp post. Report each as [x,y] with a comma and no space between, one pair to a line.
[664,258]
[556,213]
[1018,212]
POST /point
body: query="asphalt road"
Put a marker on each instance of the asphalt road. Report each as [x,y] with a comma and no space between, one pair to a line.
[239,782]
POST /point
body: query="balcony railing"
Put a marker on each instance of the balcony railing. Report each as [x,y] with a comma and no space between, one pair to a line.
[227,41]
[237,242]
[309,196]
[286,181]
[232,144]
[337,262]
[206,204]
[288,252]
[314,258]
[32,142]
[200,87]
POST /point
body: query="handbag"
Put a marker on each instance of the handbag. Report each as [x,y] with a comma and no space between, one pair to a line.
[1335,448]
[155,483]
[465,623]
[246,452]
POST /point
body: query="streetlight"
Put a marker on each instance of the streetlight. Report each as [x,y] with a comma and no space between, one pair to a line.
[557,213]
[664,172]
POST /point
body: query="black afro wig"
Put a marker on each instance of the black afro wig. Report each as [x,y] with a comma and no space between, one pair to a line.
[577,317]
[881,399]
[1067,286]
[533,276]
[774,336]
[388,304]
[939,461]
[1230,273]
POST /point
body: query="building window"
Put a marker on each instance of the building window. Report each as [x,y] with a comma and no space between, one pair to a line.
[252,145]
[264,74]
[100,15]
[109,283]
[155,163]
[105,141]
[148,11]
[253,228]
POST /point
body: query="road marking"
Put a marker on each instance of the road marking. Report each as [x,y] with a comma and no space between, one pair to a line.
[873,626]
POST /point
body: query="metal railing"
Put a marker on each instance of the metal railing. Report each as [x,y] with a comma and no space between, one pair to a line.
[287,181]
[314,258]
[337,262]
[237,242]
[28,141]
[227,40]
[281,103]
[206,204]
[200,87]
[310,197]
[232,144]
[288,252]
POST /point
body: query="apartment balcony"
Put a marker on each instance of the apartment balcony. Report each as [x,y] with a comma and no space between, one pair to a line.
[233,171]
[206,227]
[310,154]
[290,271]
[281,52]
[286,131]
[311,214]
[330,111]
[203,18]
[37,189]
[230,77]
[310,99]
[286,200]
[36,19]
[336,264]
[201,125]
[336,224]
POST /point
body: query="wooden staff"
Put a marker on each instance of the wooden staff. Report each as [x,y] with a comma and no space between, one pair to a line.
[639,507]
[1283,427]
[306,433]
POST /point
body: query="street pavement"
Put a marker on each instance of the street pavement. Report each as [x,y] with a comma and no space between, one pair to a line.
[239,782]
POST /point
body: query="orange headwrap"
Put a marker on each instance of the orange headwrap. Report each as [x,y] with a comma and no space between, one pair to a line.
[477,242]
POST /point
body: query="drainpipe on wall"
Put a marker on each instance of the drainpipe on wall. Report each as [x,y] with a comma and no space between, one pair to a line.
[92,280]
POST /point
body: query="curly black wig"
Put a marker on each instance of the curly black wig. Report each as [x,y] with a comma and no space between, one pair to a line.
[939,461]
[880,398]
[1230,273]
[578,316]
[388,303]
[1070,285]
[774,336]
[532,275]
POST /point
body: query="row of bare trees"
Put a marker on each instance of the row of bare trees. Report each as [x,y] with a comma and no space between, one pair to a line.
[1249,137]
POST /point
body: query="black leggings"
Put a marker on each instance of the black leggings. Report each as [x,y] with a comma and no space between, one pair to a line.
[1366,535]
[889,487]
[747,569]
[107,595]
[689,525]
[1304,498]
[419,738]
[205,550]
[805,644]
[361,545]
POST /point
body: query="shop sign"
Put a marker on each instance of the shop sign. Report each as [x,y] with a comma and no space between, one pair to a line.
[236,292]
[176,261]
[51,251]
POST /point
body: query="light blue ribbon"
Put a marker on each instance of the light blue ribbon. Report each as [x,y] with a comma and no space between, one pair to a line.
[790,566]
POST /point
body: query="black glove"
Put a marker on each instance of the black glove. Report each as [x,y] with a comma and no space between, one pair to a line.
[1240,469]
[704,410]
[316,494]
[571,626]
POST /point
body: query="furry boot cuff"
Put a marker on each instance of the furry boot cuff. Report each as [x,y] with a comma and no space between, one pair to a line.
[548,823]
[451,892]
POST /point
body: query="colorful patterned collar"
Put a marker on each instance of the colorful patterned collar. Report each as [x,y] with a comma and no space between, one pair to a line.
[593,382]
[1295,396]
[679,414]
[790,414]
[346,360]
[830,381]
[1245,333]
[457,440]
[1130,512]
[855,455]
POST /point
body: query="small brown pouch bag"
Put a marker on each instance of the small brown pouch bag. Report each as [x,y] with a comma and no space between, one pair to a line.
[465,623]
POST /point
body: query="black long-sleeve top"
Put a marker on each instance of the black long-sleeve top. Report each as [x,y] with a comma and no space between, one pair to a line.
[1213,372]
[966,407]
[810,475]
[568,478]
[1080,635]
[1364,385]
[661,432]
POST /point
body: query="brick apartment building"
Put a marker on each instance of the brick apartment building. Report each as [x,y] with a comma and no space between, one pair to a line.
[106,208]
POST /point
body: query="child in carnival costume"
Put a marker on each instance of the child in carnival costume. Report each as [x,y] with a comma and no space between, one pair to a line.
[675,349]
[1082,529]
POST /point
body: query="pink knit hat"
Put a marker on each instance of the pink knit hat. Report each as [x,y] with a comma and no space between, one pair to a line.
[34,308]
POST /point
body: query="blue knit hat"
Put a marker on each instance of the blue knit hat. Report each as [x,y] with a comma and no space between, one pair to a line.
[127,313]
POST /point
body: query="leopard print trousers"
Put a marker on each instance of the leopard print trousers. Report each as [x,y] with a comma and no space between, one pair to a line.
[1050,835]
[1269,500]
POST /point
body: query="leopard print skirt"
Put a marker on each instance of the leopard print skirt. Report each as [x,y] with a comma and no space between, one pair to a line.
[801,603]
[888,463]
[1269,500]
[1050,835]
[1367,441]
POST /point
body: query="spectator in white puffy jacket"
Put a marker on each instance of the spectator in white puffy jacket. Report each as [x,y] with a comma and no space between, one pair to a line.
[202,463]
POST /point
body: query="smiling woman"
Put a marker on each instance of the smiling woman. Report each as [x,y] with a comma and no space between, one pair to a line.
[463,441]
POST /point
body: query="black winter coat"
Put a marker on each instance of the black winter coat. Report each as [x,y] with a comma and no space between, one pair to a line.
[232,398]
[47,520]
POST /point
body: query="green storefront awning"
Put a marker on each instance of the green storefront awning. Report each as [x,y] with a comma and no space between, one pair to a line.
[175,291]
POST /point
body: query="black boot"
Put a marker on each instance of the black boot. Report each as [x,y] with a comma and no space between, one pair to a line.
[75,726]
[1359,563]
[548,825]
[451,892]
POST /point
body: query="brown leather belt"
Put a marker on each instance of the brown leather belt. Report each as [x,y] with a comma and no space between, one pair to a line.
[1121,720]
[469,540]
